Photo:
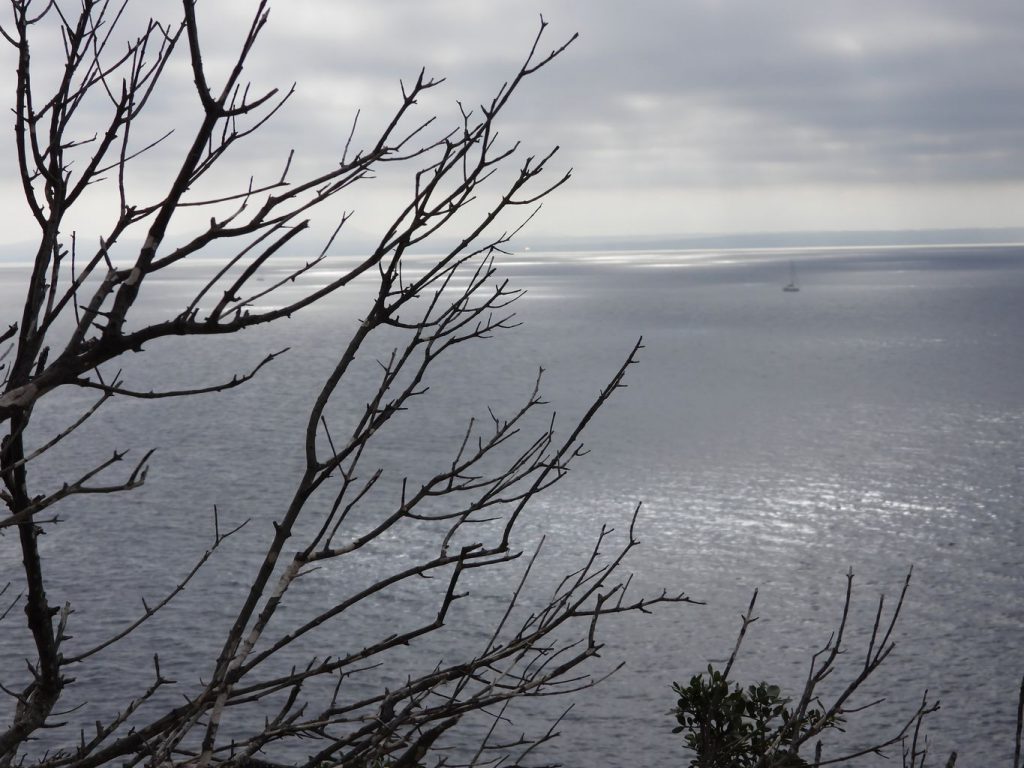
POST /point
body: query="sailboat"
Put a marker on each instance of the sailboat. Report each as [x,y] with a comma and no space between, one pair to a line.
[791,286]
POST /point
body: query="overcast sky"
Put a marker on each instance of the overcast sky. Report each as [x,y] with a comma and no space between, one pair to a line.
[679,116]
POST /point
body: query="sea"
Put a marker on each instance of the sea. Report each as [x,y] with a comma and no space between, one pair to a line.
[871,423]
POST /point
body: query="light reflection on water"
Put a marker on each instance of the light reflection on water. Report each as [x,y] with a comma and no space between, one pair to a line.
[874,420]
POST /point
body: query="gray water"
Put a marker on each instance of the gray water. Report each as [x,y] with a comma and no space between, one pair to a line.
[873,421]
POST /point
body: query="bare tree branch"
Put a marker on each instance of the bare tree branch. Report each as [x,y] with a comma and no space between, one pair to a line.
[85,309]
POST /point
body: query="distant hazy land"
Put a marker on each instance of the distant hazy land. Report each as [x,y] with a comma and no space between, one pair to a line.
[23,252]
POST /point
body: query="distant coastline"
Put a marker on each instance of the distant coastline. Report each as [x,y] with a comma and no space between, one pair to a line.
[22,252]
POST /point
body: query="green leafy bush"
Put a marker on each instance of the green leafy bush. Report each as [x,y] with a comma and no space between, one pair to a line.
[741,728]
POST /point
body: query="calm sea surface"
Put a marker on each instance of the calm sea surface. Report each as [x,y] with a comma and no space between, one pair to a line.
[874,420]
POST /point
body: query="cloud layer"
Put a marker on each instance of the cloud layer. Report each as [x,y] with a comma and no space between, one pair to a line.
[696,116]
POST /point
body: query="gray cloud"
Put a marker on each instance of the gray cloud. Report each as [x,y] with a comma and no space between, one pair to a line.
[826,91]
[667,104]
